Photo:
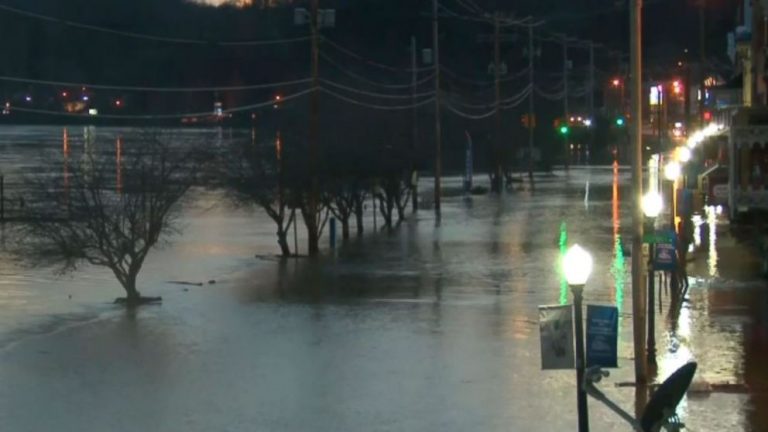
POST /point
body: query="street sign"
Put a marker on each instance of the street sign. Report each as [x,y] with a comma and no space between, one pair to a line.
[665,256]
[602,336]
[556,335]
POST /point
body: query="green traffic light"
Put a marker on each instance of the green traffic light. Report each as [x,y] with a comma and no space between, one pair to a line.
[563,130]
[619,121]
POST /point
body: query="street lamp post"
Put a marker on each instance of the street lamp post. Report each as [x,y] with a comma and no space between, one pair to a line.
[652,204]
[577,265]
[672,172]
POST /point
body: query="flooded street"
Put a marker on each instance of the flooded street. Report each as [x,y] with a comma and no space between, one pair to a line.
[427,327]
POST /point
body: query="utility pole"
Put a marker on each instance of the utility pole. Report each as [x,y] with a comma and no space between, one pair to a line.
[310,219]
[531,115]
[438,138]
[591,95]
[415,137]
[636,133]
[702,57]
[497,174]
[565,100]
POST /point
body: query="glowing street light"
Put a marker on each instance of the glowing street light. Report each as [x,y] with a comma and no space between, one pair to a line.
[652,204]
[672,171]
[577,265]
[684,154]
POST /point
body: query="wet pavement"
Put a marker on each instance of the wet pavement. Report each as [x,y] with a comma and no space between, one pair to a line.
[429,327]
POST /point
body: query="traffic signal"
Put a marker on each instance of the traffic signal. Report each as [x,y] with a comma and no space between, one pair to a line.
[528,120]
[564,130]
[620,121]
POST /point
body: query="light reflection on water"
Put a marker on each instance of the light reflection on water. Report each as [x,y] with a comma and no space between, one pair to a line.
[712,258]
[618,269]
[563,243]
[508,255]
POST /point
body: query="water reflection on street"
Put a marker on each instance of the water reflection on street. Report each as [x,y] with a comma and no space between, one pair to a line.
[425,327]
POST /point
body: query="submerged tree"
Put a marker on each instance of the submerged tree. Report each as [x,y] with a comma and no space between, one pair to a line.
[261,175]
[110,209]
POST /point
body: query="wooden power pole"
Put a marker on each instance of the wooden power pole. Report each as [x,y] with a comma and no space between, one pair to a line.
[438,131]
[636,133]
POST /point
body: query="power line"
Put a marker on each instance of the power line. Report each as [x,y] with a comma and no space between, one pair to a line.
[513,104]
[459,78]
[160,116]
[452,14]
[379,95]
[375,106]
[371,82]
[154,89]
[505,104]
[521,95]
[143,36]
[460,113]
[473,4]
[357,56]
[470,6]
[550,96]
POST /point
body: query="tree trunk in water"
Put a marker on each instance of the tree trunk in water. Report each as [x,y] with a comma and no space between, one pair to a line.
[345,228]
[496,181]
[313,231]
[359,217]
[282,240]
[401,204]
[313,237]
[132,295]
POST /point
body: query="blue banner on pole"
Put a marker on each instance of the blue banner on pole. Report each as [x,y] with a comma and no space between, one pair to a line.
[602,336]
[665,255]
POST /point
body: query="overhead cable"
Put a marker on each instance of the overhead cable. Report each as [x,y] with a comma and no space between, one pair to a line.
[369,81]
[522,94]
[379,95]
[453,75]
[460,113]
[375,106]
[154,89]
[550,96]
[357,56]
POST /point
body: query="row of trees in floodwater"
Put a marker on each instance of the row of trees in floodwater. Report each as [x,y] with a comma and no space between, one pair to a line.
[111,205]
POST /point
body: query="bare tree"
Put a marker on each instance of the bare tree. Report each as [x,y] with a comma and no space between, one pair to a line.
[109,212]
[260,175]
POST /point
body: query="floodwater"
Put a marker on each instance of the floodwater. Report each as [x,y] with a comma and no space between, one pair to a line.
[427,327]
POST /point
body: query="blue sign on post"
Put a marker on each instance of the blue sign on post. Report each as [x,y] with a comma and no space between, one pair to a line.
[665,255]
[602,336]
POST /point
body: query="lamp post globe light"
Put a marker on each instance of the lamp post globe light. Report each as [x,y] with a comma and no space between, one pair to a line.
[652,205]
[672,171]
[577,266]
[684,154]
